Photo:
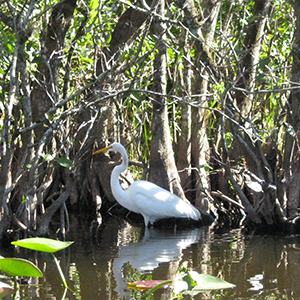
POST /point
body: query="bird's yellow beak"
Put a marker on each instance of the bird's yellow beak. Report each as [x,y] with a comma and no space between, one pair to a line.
[102,150]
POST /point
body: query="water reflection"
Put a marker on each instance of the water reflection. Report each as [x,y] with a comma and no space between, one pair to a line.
[156,247]
[261,267]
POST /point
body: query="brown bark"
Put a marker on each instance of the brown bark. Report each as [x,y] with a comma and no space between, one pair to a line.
[183,158]
[45,93]
[292,146]
[200,146]
[43,96]
[163,170]
[10,174]
[127,26]
[249,61]
[244,147]
[43,228]
[192,144]
[7,138]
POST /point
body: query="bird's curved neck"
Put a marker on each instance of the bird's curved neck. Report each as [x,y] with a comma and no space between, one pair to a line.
[117,191]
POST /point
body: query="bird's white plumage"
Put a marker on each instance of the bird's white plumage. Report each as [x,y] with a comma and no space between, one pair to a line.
[146,198]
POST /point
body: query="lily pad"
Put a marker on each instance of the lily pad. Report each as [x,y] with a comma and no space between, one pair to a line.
[208,282]
[201,282]
[185,282]
[42,244]
[193,283]
[19,267]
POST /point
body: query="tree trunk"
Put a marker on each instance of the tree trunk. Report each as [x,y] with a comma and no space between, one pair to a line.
[163,170]
[8,140]
[47,74]
[200,145]
[249,62]
[127,26]
[291,157]
[244,146]
[183,158]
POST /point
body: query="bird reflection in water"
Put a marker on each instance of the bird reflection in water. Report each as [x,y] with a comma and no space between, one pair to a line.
[157,246]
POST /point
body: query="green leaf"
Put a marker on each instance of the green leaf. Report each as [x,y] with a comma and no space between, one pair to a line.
[65,162]
[191,283]
[42,244]
[6,290]
[108,39]
[183,268]
[49,157]
[10,48]
[228,139]
[208,282]
[23,199]
[19,267]
[94,4]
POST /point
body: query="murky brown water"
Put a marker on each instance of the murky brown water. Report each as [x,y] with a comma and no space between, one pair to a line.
[261,267]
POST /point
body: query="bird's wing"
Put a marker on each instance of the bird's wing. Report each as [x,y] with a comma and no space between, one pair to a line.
[158,203]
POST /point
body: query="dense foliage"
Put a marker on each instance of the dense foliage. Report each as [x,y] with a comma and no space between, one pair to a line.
[76,74]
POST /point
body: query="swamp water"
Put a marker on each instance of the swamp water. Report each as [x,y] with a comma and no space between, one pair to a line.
[261,267]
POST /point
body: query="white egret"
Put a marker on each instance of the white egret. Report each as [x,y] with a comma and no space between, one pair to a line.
[146,198]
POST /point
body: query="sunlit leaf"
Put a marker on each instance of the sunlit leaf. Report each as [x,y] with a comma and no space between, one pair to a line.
[94,4]
[108,39]
[6,290]
[208,282]
[191,282]
[65,162]
[49,157]
[42,244]
[10,47]
[19,267]
[228,139]
[23,199]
